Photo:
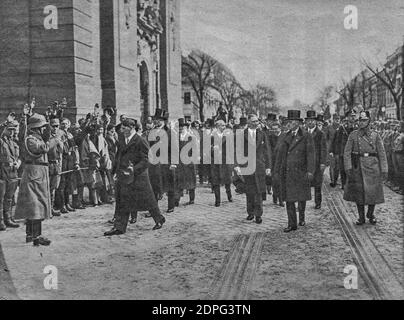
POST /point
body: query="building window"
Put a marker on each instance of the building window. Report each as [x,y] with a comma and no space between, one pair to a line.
[187,98]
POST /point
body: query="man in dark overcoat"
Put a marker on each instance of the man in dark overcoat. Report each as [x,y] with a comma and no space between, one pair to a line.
[296,165]
[133,189]
[320,145]
[272,135]
[337,148]
[366,164]
[221,172]
[276,181]
[255,183]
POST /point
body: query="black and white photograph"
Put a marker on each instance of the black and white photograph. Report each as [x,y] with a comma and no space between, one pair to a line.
[214,152]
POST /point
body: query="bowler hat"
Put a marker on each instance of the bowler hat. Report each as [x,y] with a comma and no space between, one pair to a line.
[311,114]
[271,117]
[36,121]
[293,115]
[243,121]
[320,117]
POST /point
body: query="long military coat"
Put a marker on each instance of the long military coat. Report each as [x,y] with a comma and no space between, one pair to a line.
[364,184]
[320,146]
[34,200]
[134,191]
[295,160]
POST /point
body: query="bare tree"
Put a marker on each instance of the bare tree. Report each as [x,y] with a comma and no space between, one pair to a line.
[389,79]
[323,98]
[197,70]
[261,99]
[228,87]
[348,92]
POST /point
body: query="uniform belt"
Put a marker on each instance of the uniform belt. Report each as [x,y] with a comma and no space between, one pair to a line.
[44,164]
[365,155]
[54,161]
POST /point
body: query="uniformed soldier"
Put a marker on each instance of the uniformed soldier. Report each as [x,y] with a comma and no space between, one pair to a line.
[9,165]
[398,158]
[55,155]
[34,203]
[366,164]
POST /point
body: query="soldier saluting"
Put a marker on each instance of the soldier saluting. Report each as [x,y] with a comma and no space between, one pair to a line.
[34,203]
[366,163]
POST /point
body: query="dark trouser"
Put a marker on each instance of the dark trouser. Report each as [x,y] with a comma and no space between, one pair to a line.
[291,210]
[191,195]
[254,204]
[104,196]
[340,170]
[216,189]
[361,212]
[333,168]
[122,218]
[317,195]
[7,192]
[33,228]
[173,198]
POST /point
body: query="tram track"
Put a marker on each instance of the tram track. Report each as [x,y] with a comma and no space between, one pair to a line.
[372,266]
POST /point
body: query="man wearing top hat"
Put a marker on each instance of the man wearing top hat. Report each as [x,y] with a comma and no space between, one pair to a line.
[34,203]
[9,165]
[295,165]
[320,146]
[255,183]
[366,166]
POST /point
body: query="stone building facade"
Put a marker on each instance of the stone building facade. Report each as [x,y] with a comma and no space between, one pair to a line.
[120,53]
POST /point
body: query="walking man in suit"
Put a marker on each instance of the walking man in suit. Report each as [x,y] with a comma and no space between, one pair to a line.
[296,168]
[255,182]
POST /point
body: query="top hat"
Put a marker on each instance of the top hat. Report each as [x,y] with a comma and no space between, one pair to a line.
[271,117]
[210,122]
[293,115]
[364,115]
[311,114]
[243,121]
[159,114]
[36,121]
[181,122]
[320,117]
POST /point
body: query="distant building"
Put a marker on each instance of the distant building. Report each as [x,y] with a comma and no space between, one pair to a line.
[121,53]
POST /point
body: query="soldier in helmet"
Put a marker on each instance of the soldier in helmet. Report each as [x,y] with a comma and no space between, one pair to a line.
[9,164]
[34,203]
[366,164]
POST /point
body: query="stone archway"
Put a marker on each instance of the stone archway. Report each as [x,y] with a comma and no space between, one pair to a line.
[144,86]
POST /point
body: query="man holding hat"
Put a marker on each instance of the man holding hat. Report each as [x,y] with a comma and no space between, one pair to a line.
[295,165]
[133,189]
[9,165]
[34,203]
[320,146]
[366,164]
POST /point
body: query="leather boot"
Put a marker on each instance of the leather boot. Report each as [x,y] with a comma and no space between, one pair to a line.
[361,212]
[8,204]
[371,214]
[2,225]
[8,222]
[217,196]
